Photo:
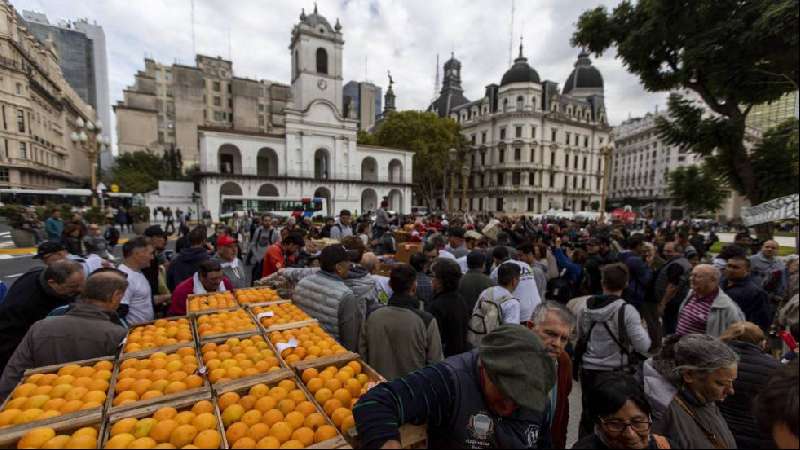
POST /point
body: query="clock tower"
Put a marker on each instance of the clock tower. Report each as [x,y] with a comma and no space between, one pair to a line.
[316,61]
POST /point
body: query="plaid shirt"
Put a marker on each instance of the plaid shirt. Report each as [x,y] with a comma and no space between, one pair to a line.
[424,288]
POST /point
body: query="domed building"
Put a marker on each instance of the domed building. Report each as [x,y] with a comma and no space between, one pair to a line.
[534,147]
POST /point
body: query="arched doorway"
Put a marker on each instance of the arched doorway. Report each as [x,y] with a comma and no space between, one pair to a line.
[230,159]
[395,171]
[369,169]
[369,200]
[325,193]
[267,163]
[396,201]
[268,190]
[230,189]
[322,164]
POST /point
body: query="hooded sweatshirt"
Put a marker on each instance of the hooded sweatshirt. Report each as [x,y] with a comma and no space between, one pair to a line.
[185,265]
[602,353]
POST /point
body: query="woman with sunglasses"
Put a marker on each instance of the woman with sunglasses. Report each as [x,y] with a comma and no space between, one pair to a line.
[622,416]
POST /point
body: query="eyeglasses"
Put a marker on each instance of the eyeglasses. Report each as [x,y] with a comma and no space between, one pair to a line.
[618,426]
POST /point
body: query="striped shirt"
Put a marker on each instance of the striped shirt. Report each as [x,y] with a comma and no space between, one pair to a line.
[694,315]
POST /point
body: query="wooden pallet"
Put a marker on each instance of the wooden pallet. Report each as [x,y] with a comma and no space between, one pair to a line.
[182,404]
[94,414]
[9,439]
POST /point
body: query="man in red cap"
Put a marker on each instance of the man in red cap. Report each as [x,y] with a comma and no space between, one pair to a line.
[228,258]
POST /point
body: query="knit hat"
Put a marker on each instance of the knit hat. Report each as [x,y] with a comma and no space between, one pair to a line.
[518,364]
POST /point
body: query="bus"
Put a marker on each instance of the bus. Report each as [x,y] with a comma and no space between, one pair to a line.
[78,198]
[277,206]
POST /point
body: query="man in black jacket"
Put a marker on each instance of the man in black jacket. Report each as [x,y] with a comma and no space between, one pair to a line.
[740,287]
[32,298]
[188,260]
[448,307]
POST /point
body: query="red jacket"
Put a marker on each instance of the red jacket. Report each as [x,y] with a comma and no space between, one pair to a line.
[274,259]
[183,291]
[558,430]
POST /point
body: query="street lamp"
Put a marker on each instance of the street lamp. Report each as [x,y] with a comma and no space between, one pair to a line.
[91,142]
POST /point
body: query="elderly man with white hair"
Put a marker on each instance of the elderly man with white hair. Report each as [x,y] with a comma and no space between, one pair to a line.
[768,271]
[707,310]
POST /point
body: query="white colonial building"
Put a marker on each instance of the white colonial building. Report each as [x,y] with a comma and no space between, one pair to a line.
[318,156]
[533,147]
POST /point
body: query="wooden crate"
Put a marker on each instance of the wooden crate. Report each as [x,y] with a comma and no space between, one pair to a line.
[206,311]
[297,326]
[222,385]
[256,288]
[9,439]
[183,404]
[111,409]
[167,348]
[81,415]
[196,318]
[405,250]
[243,387]
[281,327]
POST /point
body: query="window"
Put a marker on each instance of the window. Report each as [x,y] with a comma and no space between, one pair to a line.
[260,120]
[500,204]
[575,163]
[566,138]
[23,150]
[19,88]
[322,61]
[552,180]
[574,182]
[260,108]
[531,204]
[533,132]
[576,140]
[5,149]
[483,137]
[216,86]
[553,134]
[502,155]
[505,104]
[5,124]
[219,116]
[21,120]
[585,163]
[501,179]
[502,134]
[533,154]
[473,139]
[516,178]
[583,183]
[226,163]
[230,89]
[217,101]
[552,158]
[566,161]
[517,154]
[230,103]
[531,178]
[518,132]
[586,141]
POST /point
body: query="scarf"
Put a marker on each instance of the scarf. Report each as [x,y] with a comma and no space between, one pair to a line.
[200,289]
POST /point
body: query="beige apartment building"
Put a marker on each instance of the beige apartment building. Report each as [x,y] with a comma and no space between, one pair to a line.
[167,104]
[38,113]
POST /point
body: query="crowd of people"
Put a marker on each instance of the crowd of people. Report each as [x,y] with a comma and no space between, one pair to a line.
[481,329]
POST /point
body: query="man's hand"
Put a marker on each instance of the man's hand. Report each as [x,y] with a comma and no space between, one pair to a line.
[391,444]
[162,298]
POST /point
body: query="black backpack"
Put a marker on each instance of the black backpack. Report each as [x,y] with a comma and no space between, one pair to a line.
[635,359]
[560,289]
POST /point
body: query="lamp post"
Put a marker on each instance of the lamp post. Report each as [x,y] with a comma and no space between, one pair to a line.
[87,135]
[607,151]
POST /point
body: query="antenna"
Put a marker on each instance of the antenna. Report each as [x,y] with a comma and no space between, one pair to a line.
[511,33]
[194,41]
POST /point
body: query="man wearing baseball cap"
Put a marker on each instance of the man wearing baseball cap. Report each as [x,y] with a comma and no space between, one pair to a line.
[232,267]
[325,297]
[492,397]
[50,252]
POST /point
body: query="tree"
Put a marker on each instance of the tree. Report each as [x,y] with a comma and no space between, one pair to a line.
[697,189]
[733,54]
[138,172]
[174,162]
[429,136]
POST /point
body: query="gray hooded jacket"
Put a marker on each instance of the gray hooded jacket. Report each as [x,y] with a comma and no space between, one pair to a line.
[325,297]
[602,353]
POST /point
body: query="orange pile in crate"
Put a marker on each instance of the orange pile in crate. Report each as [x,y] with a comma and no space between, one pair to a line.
[208,302]
[46,437]
[313,342]
[338,390]
[160,333]
[72,388]
[277,417]
[238,359]
[168,428]
[259,295]
[283,313]
[158,375]
[225,322]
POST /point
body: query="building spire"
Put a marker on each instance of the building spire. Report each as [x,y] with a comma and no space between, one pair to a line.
[315,7]
[520,46]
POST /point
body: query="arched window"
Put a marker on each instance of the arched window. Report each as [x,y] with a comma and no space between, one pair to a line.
[520,102]
[322,61]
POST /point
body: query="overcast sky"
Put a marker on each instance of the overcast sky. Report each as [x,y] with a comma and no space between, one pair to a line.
[403,36]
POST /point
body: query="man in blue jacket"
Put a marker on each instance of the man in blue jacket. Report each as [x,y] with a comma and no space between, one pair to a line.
[54,226]
[493,397]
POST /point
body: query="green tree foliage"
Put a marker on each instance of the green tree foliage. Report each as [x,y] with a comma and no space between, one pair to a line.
[429,136]
[697,189]
[732,54]
[138,172]
[776,161]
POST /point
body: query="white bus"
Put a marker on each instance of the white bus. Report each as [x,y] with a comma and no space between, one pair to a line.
[277,206]
[80,198]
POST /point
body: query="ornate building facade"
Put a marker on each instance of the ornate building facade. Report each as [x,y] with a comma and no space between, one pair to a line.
[532,147]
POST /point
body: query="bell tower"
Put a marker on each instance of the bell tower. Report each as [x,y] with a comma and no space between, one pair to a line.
[316,61]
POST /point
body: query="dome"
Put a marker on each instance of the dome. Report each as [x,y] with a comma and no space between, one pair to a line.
[315,20]
[520,72]
[584,75]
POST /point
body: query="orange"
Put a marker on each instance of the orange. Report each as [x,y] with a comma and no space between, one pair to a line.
[36,437]
[244,442]
[272,416]
[76,393]
[74,405]
[343,376]
[162,430]
[248,402]
[315,384]
[204,421]
[278,393]
[236,431]
[51,405]
[297,395]
[58,441]
[145,442]
[332,405]
[288,385]
[268,442]
[124,426]
[362,378]
[232,413]
[343,395]
[141,386]
[286,406]
[259,390]
[265,403]
[183,435]
[305,408]
[203,406]
[165,413]
[281,431]
[295,419]
[120,441]
[314,420]
[125,384]
[354,387]
[349,422]
[309,374]
[251,417]
[208,439]
[293,444]
[227,399]
[258,431]
[305,435]
[339,415]
[193,381]
[324,433]
[151,395]
[323,395]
